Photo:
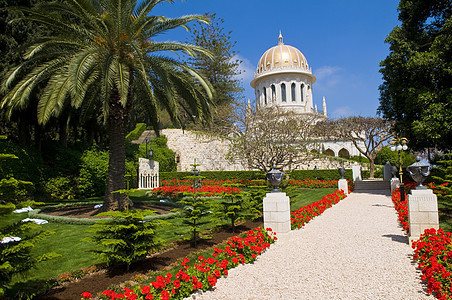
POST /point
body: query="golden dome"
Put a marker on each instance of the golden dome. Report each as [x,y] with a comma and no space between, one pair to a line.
[282,57]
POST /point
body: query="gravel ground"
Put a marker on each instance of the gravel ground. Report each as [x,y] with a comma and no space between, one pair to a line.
[354,250]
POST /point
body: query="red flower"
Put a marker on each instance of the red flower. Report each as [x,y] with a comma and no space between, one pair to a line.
[87,295]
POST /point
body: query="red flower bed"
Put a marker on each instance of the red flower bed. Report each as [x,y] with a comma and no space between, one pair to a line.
[202,273]
[206,190]
[401,207]
[305,214]
[434,252]
[189,182]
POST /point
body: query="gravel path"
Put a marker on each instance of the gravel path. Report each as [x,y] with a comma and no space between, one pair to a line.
[354,250]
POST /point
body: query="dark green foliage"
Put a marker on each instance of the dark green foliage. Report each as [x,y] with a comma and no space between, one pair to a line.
[195,209]
[417,82]
[136,133]
[125,237]
[28,166]
[332,174]
[221,70]
[121,67]
[442,176]
[386,154]
[219,175]
[15,191]
[162,154]
[12,190]
[15,257]
[253,202]
[232,208]
[93,173]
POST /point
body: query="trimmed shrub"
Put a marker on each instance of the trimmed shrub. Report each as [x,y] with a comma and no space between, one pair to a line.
[136,133]
[331,174]
[218,175]
[60,188]
[125,237]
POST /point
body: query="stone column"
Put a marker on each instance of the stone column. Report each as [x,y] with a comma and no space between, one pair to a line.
[395,184]
[422,212]
[343,185]
[276,209]
[356,170]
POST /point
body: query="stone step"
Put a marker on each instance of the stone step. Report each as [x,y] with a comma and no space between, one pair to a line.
[372,185]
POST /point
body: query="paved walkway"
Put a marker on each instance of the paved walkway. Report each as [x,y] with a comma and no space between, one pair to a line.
[354,250]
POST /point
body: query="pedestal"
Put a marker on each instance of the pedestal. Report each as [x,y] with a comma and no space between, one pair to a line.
[342,185]
[422,212]
[395,184]
[356,171]
[276,209]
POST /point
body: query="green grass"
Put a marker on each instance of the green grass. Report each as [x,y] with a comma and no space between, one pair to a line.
[303,197]
[76,254]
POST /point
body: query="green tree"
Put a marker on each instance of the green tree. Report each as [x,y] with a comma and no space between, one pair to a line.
[106,54]
[126,236]
[222,70]
[417,79]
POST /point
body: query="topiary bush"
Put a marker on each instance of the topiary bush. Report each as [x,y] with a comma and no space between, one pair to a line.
[125,237]
[331,174]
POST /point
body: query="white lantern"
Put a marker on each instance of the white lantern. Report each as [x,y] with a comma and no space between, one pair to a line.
[405,147]
[399,147]
[392,148]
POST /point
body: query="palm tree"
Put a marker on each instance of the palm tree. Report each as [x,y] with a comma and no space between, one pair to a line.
[104,54]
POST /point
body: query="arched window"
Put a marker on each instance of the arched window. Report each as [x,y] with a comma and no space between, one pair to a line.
[265,96]
[302,92]
[292,88]
[329,152]
[259,98]
[344,153]
[283,92]
[273,93]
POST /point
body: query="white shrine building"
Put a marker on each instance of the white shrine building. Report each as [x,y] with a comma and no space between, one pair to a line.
[284,79]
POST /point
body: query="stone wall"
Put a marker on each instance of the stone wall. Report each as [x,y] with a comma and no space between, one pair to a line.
[211,153]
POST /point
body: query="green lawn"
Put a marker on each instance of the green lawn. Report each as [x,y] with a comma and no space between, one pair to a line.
[300,198]
[76,254]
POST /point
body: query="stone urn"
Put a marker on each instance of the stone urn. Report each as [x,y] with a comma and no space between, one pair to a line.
[275,178]
[419,172]
[394,171]
[341,171]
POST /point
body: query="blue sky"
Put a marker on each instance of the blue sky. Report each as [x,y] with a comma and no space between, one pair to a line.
[343,42]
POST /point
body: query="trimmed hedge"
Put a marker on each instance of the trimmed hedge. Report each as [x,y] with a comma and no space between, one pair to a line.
[218,175]
[136,133]
[330,174]
[40,214]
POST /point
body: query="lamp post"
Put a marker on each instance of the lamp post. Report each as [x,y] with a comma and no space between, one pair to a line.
[398,144]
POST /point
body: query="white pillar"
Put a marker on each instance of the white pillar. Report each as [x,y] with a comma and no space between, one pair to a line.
[395,184]
[422,212]
[343,185]
[276,209]
[356,170]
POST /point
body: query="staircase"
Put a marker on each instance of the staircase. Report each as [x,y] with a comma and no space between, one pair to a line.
[375,184]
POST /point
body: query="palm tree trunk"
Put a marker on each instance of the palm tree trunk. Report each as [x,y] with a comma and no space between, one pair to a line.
[117,122]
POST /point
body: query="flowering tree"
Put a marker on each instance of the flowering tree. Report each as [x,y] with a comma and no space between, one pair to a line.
[368,134]
[266,137]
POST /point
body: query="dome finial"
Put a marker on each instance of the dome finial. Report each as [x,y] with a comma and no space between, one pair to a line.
[280,38]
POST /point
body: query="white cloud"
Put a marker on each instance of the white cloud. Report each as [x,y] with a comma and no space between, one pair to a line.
[341,112]
[326,71]
[328,76]
[247,69]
